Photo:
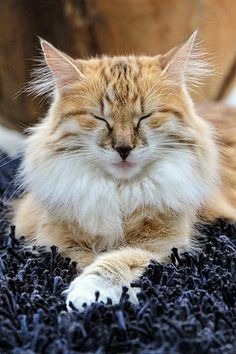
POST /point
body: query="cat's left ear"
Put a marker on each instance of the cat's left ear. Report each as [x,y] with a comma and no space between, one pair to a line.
[63,68]
[185,63]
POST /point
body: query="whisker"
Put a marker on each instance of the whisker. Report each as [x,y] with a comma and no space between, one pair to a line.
[181,144]
[14,193]
[7,157]
[166,150]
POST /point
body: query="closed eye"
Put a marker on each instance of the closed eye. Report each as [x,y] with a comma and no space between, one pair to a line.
[142,118]
[102,119]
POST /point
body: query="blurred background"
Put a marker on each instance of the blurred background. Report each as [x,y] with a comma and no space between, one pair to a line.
[83,28]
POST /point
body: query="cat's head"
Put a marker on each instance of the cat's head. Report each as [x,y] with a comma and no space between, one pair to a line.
[121,115]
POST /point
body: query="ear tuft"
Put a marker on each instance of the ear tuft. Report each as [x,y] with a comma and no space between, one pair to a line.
[186,64]
[63,67]
[54,70]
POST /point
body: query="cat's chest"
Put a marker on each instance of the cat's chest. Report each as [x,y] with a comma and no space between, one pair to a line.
[130,228]
[117,214]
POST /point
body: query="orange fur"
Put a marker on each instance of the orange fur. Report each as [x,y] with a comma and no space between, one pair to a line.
[110,212]
[223,118]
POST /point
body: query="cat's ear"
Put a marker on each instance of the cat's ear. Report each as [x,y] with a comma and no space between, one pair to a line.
[63,68]
[185,63]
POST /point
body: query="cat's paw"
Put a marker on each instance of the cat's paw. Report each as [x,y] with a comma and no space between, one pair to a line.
[83,288]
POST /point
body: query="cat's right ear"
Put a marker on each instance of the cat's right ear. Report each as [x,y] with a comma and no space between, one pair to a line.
[186,64]
[63,68]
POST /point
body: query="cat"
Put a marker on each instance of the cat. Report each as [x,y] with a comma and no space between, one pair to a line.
[122,166]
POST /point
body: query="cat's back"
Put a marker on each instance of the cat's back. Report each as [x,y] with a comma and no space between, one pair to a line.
[223,118]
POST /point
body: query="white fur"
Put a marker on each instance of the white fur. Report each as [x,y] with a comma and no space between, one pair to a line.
[77,189]
[11,142]
[82,290]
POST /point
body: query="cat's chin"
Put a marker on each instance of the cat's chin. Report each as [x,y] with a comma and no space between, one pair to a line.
[124,170]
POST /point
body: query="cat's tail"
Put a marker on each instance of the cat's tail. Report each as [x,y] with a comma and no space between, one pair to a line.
[11,141]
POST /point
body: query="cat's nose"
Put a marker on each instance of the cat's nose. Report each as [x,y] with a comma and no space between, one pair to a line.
[123,150]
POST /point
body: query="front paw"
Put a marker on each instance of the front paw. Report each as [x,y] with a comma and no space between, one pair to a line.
[83,288]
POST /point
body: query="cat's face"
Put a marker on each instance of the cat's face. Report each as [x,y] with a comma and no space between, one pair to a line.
[121,115]
[120,133]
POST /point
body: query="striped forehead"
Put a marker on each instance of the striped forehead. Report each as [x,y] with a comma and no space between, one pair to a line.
[133,106]
[121,86]
[123,70]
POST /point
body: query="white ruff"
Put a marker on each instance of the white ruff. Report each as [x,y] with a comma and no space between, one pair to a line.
[79,192]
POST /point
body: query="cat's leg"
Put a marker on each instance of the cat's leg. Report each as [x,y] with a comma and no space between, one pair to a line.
[112,270]
[107,274]
[41,229]
[82,257]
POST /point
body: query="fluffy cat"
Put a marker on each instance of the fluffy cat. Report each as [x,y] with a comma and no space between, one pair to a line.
[121,166]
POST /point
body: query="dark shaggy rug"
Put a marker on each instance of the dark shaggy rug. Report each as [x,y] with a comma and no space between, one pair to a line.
[187,306]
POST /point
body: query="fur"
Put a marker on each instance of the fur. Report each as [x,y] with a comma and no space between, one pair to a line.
[114,213]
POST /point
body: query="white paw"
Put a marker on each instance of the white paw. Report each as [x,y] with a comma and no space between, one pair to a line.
[83,288]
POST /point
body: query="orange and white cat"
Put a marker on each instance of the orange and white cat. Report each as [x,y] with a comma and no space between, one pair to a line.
[121,167]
